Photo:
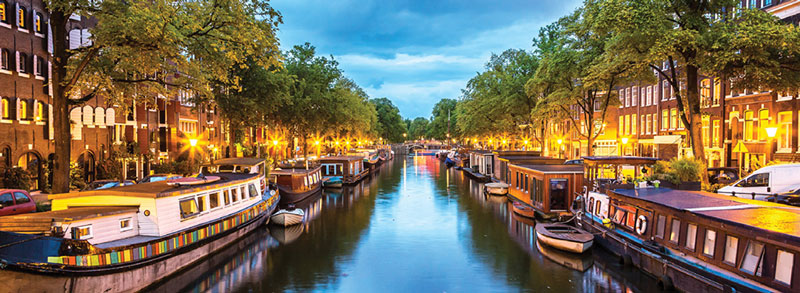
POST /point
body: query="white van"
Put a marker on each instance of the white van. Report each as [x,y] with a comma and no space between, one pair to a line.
[765,182]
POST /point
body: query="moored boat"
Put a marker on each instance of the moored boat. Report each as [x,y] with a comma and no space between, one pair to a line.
[349,169]
[578,262]
[296,184]
[332,182]
[496,188]
[126,238]
[523,209]
[288,217]
[564,237]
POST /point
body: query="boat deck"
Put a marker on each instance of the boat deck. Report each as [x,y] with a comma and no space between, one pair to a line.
[126,241]
[158,189]
[769,217]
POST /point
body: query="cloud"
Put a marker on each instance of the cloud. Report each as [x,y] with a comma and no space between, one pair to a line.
[418,98]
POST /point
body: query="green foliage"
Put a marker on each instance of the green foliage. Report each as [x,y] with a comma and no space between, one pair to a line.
[678,170]
[76,181]
[390,124]
[108,169]
[418,128]
[182,166]
[443,110]
[17,178]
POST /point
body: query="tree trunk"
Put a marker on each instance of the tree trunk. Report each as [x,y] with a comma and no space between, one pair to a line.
[693,119]
[589,143]
[61,124]
[545,142]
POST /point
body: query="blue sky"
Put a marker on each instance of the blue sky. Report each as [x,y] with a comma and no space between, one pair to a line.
[414,52]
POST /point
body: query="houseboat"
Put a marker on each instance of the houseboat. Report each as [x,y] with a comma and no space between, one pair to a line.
[350,169]
[696,241]
[549,189]
[504,159]
[125,238]
[482,162]
[296,184]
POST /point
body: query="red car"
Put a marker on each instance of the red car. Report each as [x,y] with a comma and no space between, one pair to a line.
[16,201]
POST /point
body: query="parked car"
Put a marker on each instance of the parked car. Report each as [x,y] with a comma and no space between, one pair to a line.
[764,182]
[16,201]
[159,177]
[574,162]
[723,175]
[103,184]
[791,197]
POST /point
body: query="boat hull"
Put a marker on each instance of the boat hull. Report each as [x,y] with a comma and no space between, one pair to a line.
[286,219]
[289,196]
[565,245]
[496,189]
[523,210]
[136,277]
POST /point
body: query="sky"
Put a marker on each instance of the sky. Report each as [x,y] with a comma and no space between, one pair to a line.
[414,52]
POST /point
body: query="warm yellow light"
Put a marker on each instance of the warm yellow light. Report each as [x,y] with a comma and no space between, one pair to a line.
[771,131]
[316,142]
[490,141]
[526,142]
[274,142]
[624,140]
[559,141]
[337,143]
[193,142]
[504,141]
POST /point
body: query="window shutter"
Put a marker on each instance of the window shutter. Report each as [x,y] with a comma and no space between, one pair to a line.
[16,14]
[49,38]
[51,130]
[35,61]
[35,109]
[74,39]
[16,63]
[16,109]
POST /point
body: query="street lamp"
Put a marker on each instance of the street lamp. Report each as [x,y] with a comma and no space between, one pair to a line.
[771,132]
[193,142]
[622,149]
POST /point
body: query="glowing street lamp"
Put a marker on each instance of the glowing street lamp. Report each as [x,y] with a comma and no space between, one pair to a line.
[624,140]
[559,141]
[275,142]
[193,142]
[771,131]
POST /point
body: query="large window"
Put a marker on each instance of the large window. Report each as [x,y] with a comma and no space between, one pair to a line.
[644,125]
[705,92]
[763,123]
[22,20]
[3,11]
[188,208]
[660,226]
[731,249]
[627,97]
[633,124]
[715,134]
[621,125]
[664,119]
[748,125]
[665,90]
[753,260]
[655,123]
[649,123]
[706,131]
[675,231]
[784,266]
[5,108]
[691,236]
[710,242]
[785,131]
[635,92]
[673,118]
[717,95]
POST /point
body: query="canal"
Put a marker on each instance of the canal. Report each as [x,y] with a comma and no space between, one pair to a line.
[413,226]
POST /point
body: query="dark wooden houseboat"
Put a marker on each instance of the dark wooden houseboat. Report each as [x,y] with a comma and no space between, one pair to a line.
[349,168]
[503,160]
[549,189]
[296,184]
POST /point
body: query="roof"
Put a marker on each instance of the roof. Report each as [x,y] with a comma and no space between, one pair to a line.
[518,153]
[620,160]
[531,158]
[341,158]
[290,171]
[775,219]
[72,214]
[238,161]
[564,169]
[158,189]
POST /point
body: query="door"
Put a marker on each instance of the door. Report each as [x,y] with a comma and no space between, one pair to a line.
[23,203]
[558,194]
[755,186]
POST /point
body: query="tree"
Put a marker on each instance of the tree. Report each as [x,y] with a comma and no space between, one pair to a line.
[684,40]
[418,128]
[443,120]
[353,114]
[140,49]
[390,125]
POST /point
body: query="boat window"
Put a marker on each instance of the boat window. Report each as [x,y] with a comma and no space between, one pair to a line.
[691,236]
[590,206]
[675,231]
[243,192]
[305,181]
[125,225]
[619,215]
[662,222]
[225,168]
[253,190]
[630,220]
[188,208]
[784,267]
[234,195]
[6,200]
[731,249]
[201,203]
[710,243]
[227,197]
[597,208]
[558,194]
[82,232]
[21,198]
[213,200]
[753,259]
[755,180]
[526,183]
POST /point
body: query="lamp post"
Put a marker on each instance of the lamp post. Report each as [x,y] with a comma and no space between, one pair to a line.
[559,141]
[771,132]
[624,144]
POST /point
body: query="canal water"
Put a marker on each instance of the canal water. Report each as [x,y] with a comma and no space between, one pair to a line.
[415,226]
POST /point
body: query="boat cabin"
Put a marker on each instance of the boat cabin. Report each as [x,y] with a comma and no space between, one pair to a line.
[550,189]
[350,168]
[501,163]
[236,165]
[603,171]
[297,179]
[746,244]
[482,162]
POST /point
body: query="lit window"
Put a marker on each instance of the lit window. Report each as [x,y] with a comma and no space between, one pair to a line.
[633,124]
[664,119]
[748,125]
[675,231]
[21,21]
[710,243]
[6,108]
[706,131]
[715,135]
[188,208]
[655,123]
[23,109]
[673,118]
[717,95]
[731,249]
[201,203]
[763,123]
[621,125]
[691,236]
[227,197]
[3,11]
[784,267]
[662,222]
[705,92]
[40,111]
[125,225]
[644,125]
[649,122]
[82,232]
[753,260]
[213,200]
[785,131]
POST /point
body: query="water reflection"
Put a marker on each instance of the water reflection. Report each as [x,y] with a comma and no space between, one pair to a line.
[414,226]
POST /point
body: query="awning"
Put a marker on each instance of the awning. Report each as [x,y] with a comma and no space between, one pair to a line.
[667,139]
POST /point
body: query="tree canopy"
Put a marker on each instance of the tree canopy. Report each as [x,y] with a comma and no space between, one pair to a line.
[390,125]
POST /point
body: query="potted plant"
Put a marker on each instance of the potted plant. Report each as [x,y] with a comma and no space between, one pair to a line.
[686,173]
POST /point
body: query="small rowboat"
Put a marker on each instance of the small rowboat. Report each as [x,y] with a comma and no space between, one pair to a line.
[187,181]
[288,217]
[564,237]
[496,188]
[523,209]
[332,182]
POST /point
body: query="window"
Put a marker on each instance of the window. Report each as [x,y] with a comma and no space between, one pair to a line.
[755,180]
[597,207]
[21,18]
[243,192]
[21,198]
[38,25]
[253,190]
[621,98]
[188,127]
[664,119]
[188,208]
[662,221]
[784,267]
[706,131]
[753,259]
[621,125]
[710,243]
[234,195]
[23,110]
[673,118]
[717,95]
[705,92]
[40,111]
[630,220]
[201,203]
[731,249]
[691,236]
[619,215]
[650,90]
[22,62]
[82,232]
[643,96]
[748,125]
[227,197]
[635,92]
[627,124]
[213,200]
[655,123]
[633,124]
[627,97]
[649,122]
[785,131]
[6,200]
[3,11]
[763,123]
[675,230]
[5,59]
[715,134]
[125,225]
[665,90]
[645,129]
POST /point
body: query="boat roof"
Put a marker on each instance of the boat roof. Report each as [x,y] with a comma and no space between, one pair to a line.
[620,160]
[530,158]
[562,169]
[238,161]
[482,152]
[341,158]
[160,188]
[780,220]
[292,171]
[517,153]
[71,214]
